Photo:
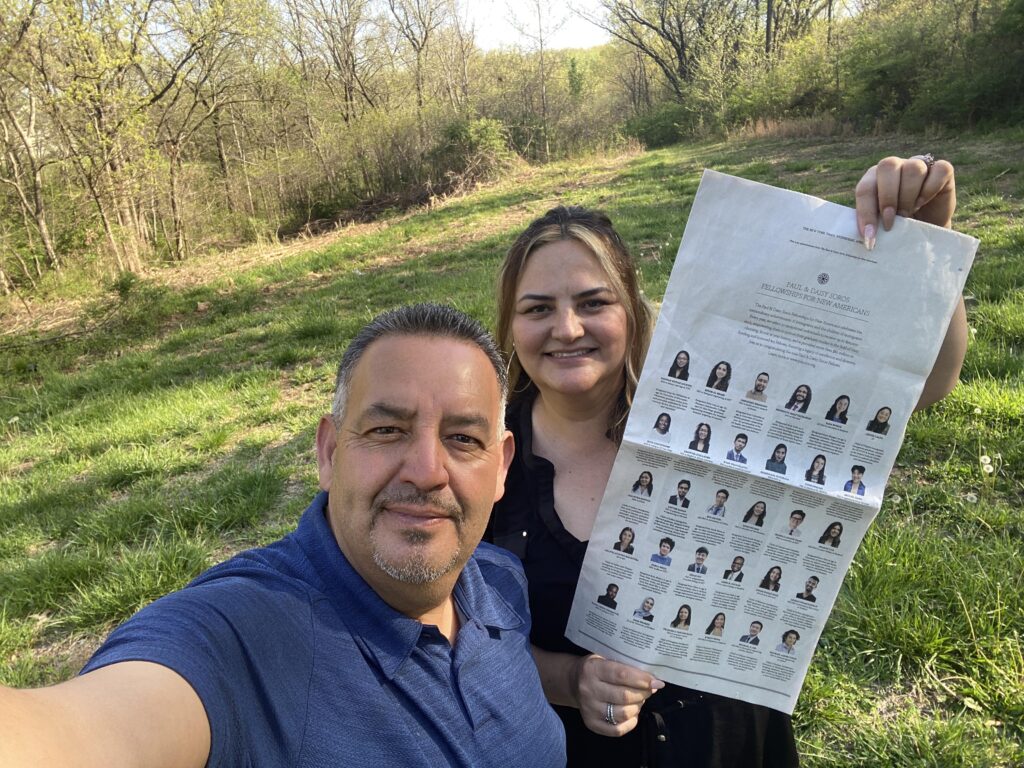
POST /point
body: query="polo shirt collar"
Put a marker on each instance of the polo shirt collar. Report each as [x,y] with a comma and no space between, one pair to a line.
[386,634]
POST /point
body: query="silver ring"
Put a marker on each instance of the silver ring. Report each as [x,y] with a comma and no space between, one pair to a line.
[609,715]
[928,158]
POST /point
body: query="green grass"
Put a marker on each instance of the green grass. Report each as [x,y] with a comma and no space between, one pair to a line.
[137,454]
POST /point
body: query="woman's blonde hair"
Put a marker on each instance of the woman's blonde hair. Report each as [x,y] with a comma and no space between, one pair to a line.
[594,230]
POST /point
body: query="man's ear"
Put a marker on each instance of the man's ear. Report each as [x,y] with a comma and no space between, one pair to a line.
[326,441]
[507,449]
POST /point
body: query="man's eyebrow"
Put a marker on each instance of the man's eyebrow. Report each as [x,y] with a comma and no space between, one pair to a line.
[399,413]
[462,420]
[590,292]
[387,411]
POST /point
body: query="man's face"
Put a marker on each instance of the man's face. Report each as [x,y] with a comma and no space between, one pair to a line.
[700,557]
[682,489]
[794,521]
[664,549]
[810,585]
[612,591]
[739,444]
[415,466]
[737,563]
[856,474]
[754,629]
[720,499]
[760,383]
[801,394]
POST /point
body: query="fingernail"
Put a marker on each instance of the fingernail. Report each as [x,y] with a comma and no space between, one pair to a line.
[657,685]
[888,217]
[869,237]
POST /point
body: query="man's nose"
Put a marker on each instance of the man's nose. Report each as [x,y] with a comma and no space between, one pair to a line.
[424,463]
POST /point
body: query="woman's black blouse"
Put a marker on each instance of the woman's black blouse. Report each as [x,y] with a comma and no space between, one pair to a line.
[719,732]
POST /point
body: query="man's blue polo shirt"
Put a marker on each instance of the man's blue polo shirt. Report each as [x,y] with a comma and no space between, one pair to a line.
[298,662]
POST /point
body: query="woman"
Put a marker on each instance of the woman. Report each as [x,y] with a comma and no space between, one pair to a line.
[880,424]
[717,626]
[701,438]
[799,400]
[644,484]
[719,376]
[832,534]
[567,423]
[625,542]
[662,425]
[777,462]
[771,579]
[837,413]
[680,369]
[644,611]
[755,515]
[682,619]
[816,472]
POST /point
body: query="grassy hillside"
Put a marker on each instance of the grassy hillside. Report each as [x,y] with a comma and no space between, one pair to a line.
[153,430]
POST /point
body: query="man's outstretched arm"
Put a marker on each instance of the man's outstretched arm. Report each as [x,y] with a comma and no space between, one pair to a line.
[128,714]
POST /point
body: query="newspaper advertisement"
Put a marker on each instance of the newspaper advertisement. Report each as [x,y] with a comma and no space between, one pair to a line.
[785,364]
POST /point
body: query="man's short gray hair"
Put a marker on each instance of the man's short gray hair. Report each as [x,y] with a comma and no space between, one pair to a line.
[436,320]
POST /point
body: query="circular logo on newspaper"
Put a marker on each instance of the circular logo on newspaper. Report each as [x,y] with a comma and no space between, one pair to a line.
[823,278]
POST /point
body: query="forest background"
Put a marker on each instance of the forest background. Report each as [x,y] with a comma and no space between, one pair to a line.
[137,132]
[200,204]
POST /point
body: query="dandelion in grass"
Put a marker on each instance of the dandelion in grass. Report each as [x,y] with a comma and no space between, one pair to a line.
[971,498]
[977,411]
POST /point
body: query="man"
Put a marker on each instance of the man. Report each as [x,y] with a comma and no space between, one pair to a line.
[718,508]
[371,635]
[755,630]
[661,557]
[608,598]
[809,586]
[854,484]
[697,566]
[735,573]
[680,500]
[738,444]
[799,400]
[796,517]
[760,384]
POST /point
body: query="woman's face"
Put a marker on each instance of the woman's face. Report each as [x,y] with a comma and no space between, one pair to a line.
[780,453]
[883,415]
[683,615]
[834,531]
[648,604]
[818,464]
[842,404]
[702,432]
[719,620]
[721,370]
[626,537]
[569,328]
[682,360]
[789,639]
[662,425]
[645,480]
[774,574]
[759,508]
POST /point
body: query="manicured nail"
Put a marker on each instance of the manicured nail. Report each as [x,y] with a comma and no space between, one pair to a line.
[888,217]
[869,237]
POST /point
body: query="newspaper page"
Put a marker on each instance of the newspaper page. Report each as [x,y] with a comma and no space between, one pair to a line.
[784,367]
